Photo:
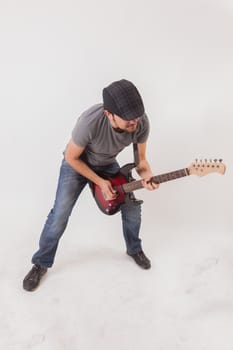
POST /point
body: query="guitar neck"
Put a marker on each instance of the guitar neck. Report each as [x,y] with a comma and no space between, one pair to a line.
[136,185]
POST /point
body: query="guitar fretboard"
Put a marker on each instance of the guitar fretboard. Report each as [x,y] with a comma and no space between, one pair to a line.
[136,185]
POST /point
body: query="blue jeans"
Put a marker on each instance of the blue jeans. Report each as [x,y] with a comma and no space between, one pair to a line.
[70,185]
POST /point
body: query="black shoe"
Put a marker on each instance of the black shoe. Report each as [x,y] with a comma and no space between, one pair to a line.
[141,260]
[32,279]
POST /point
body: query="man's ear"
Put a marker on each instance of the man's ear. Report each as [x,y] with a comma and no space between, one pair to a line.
[108,114]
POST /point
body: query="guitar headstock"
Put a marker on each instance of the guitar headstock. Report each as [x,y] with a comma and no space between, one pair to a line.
[205,167]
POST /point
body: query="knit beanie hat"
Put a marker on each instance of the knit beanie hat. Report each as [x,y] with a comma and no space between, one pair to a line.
[123,99]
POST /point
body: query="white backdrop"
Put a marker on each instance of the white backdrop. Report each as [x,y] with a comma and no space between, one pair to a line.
[56,56]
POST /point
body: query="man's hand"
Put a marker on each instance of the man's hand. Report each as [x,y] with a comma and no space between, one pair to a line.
[107,189]
[144,170]
[149,185]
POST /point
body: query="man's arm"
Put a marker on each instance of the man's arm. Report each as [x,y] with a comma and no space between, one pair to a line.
[143,169]
[72,156]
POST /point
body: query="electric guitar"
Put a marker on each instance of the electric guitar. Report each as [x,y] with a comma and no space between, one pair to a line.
[125,184]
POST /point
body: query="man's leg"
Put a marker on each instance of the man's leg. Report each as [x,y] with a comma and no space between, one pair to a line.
[70,185]
[131,222]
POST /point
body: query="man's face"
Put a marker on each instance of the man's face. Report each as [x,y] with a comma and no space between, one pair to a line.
[123,125]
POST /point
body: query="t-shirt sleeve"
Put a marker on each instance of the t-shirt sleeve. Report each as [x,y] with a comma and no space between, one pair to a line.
[82,134]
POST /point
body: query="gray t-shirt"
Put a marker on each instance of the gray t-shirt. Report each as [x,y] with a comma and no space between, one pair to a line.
[102,143]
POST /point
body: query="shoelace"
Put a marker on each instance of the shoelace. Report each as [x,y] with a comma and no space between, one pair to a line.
[34,272]
[142,256]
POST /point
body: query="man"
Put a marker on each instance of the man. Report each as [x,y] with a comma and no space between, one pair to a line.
[99,135]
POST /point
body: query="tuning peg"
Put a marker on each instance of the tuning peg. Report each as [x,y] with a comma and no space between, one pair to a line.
[206,160]
[220,160]
[215,160]
[210,160]
[196,160]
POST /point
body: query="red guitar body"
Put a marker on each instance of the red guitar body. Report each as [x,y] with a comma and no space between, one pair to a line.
[110,207]
[118,181]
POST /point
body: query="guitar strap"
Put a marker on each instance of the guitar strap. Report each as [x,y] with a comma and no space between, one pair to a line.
[135,152]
